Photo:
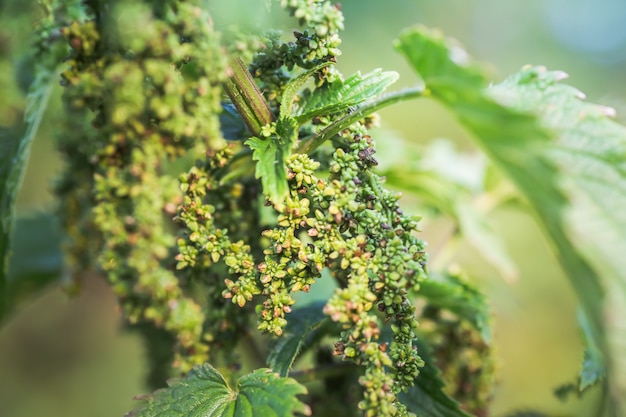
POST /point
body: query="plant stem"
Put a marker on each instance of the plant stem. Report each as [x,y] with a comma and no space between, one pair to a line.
[309,145]
[247,98]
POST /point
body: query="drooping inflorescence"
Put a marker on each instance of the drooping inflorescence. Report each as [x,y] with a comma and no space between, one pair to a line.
[149,99]
[379,264]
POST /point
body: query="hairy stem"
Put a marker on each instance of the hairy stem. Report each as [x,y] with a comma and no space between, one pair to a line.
[247,98]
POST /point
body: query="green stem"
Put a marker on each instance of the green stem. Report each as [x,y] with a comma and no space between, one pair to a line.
[247,98]
[309,145]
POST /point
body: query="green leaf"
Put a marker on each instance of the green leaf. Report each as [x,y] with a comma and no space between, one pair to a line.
[507,136]
[341,95]
[303,327]
[310,144]
[590,151]
[205,393]
[37,258]
[293,88]
[593,367]
[271,155]
[426,398]
[13,162]
[513,140]
[452,292]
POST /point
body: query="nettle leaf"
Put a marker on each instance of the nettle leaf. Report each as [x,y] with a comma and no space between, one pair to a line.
[341,95]
[356,114]
[513,140]
[37,258]
[589,149]
[303,327]
[426,398]
[456,294]
[271,155]
[593,369]
[13,161]
[205,393]
[293,88]
[508,136]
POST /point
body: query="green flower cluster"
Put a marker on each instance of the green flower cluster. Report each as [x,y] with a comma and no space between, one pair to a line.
[211,215]
[82,238]
[321,15]
[194,253]
[151,95]
[286,265]
[381,262]
[318,43]
[291,263]
[344,221]
[351,225]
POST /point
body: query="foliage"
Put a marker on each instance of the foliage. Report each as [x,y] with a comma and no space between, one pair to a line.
[305,325]
[33,266]
[209,192]
[15,151]
[205,392]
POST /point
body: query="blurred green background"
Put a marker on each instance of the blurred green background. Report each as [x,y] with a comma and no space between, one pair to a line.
[63,356]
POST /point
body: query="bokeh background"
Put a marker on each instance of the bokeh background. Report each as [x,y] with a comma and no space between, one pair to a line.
[63,356]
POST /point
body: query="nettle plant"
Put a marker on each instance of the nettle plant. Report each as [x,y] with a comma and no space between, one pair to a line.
[216,177]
